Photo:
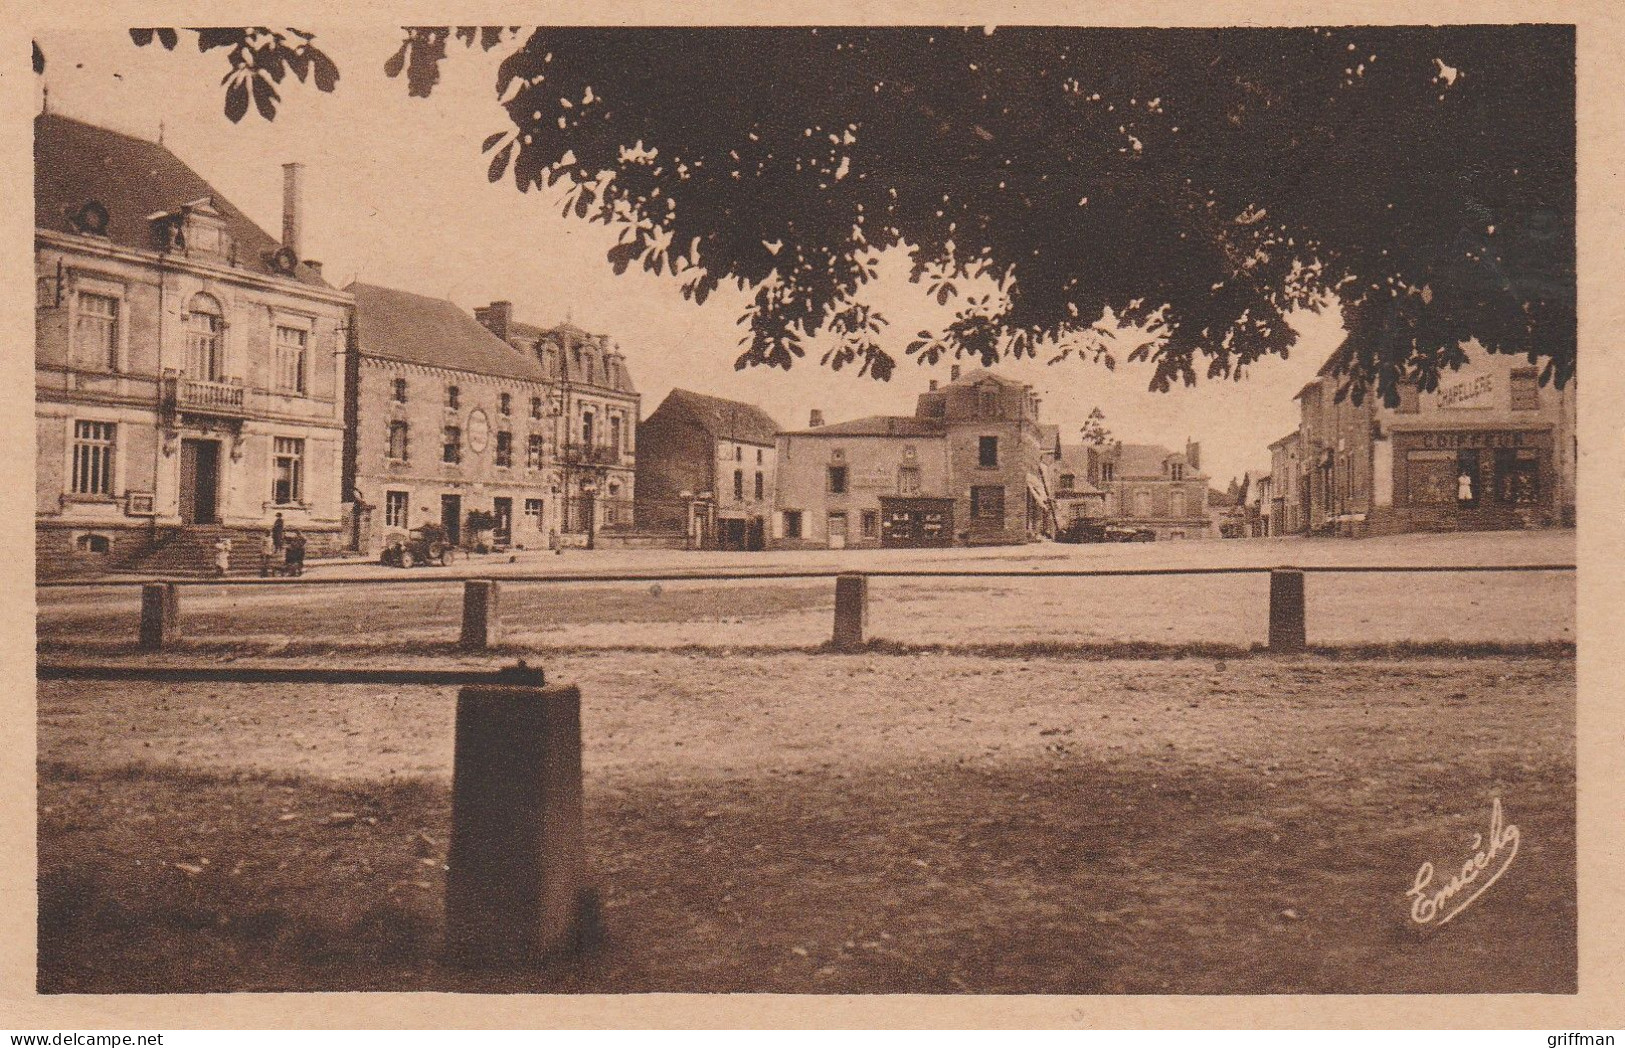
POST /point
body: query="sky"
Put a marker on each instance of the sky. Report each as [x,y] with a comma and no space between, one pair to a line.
[396,193]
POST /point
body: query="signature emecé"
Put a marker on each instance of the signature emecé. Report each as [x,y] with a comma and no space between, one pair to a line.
[1431,905]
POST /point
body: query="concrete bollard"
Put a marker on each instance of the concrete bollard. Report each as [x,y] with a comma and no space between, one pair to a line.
[482,625]
[160,615]
[851,610]
[1286,610]
[514,891]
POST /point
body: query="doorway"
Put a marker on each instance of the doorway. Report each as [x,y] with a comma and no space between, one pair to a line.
[451,518]
[200,481]
[502,510]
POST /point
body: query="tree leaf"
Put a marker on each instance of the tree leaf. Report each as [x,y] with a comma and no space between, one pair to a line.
[395,63]
[499,163]
[265,97]
[237,99]
[327,74]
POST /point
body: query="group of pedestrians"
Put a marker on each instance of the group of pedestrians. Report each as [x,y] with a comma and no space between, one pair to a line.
[282,552]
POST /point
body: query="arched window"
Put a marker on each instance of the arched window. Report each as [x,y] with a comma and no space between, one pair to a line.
[205,339]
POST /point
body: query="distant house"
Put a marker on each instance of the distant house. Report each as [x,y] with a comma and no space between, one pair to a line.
[1489,448]
[446,424]
[1287,513]
[714,461]
[969,466]
[594,403]
[1149,487]
[1076,498]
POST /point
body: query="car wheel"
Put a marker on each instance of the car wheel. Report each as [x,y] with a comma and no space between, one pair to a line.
[407,560]
[446,557]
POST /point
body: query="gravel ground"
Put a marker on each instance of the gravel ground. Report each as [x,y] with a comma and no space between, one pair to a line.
[869,823]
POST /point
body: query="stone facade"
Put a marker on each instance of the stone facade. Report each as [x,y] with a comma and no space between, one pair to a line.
[714,462]
[189,370]
[1149,487]
[1490,448]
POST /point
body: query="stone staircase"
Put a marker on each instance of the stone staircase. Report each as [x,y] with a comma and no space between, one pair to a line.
[189,550]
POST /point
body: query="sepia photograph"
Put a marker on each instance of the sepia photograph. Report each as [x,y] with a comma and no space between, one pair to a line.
[930,509]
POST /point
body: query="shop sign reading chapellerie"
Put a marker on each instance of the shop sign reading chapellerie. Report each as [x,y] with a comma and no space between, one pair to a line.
[1473,393]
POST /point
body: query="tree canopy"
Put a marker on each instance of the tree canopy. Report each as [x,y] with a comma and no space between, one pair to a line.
[1195,185]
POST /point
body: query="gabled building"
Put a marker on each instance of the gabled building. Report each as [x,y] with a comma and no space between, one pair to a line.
[449,421]
[714,462]
[1287,493]
[968,467]
[189,366]
[1076,498]
[596,404]
[1149,487]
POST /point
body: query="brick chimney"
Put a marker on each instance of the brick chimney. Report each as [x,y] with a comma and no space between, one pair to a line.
[933,387]
[293,206]
[953,373]
[1193,453]
[497,317]
[815,418]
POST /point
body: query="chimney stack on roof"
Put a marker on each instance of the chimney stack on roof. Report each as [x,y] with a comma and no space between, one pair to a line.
[315,266]
[815,419]
[953,373]
[496,317]
[1193,453]
[933,386]
[293,206]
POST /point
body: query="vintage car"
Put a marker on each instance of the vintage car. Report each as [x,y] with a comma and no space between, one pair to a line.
[422,545]
[1122,534]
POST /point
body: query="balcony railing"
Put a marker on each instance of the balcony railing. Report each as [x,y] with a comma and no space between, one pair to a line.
[593,454]
[208,398]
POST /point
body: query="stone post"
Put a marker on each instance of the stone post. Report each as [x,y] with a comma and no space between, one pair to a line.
[482,626]
[1286,610]
[851,611]
[160,615]
[514,888]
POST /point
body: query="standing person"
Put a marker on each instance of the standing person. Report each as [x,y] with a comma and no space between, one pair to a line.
[296,553]
[222,556]
[277,528]
[267,551]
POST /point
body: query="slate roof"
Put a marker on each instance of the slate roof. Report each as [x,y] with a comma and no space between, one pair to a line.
[568,334]
[416,329]
[75,162]
[1140,460]
[878,426]
[722,419]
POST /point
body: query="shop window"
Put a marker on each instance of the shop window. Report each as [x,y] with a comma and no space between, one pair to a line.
[1467,477]
[1526,390]
[837,480]
[1517,476]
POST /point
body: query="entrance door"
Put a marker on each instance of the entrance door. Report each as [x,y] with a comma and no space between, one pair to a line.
[451,517]
[200,481]
[502,510]
[837,530]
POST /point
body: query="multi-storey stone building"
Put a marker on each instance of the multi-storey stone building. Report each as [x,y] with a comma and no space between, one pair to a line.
[969,466]
[1490,448]
[712,463]
[1150,487]
[449,420]
[189,367]
[1287,503]
[595,404]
